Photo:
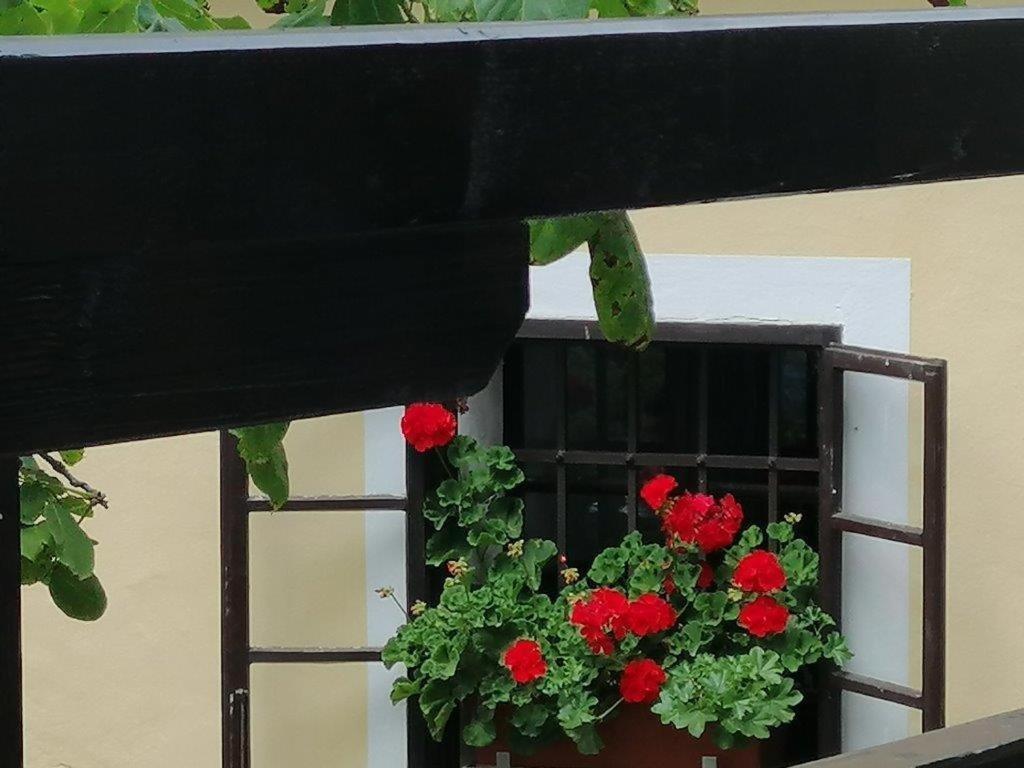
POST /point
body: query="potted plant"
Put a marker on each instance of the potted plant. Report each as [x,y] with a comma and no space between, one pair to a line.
[688,645]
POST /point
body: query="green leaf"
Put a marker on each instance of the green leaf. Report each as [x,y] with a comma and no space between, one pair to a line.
[23,19]
[110,16]
[610,9]
[34,539]
[780,532]
[34,497]
[82,599]
[232,22]
[313,15]
[587,740]
[259,442]
[622,290]
[530,10]
[72,456]
[403,688]
[449,543]
[269,471]
[551,239]
[529,719]
[536,552]
[481,730]
[31,572]
[452,10]
[74,548]
[351,12]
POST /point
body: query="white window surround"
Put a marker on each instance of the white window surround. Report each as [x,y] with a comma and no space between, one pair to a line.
[870,300]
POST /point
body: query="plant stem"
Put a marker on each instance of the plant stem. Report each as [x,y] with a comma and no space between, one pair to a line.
[400,606]
[444,463]
[610,709]
[58,466]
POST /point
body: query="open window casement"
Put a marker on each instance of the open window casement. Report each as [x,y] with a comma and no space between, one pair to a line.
[845,514]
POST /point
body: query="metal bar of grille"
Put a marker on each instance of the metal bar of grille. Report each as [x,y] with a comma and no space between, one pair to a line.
[332,504]
[11,737]
[830,549]
[561,437]
[774,361]
[691,333]
[632,435]
[879,689]
[879,529]
[312,655]
[702,421]
[645,459]
[234,614]
[895,365]
[934,566]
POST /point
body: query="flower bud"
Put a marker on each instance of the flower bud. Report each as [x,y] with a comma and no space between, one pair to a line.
[384,592]
[418,608]
[571,575]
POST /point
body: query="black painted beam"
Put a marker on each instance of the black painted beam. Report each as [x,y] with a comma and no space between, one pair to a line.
[100,346]
[316,133]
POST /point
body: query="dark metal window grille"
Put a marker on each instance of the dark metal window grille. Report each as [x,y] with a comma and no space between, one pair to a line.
[237,655]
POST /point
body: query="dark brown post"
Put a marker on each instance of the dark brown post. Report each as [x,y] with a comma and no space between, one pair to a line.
[11,738]
[933,687]
[234,627]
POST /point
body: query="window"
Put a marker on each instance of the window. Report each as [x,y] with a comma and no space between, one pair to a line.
[591,421]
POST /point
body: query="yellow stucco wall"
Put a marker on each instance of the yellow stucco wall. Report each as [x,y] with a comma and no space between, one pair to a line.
[141,687]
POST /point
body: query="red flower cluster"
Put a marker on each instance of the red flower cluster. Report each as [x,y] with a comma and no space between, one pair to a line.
[641,681]
[608,614]
[759,572]
[698,518]
[656,490]
[525,661]
[603,612]
[764,617]
[428,425]
[649,615]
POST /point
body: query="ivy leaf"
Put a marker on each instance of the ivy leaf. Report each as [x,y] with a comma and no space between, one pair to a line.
[551,239]
[74,548]
[530,10]
[82,599]
[622,290]
[354,12]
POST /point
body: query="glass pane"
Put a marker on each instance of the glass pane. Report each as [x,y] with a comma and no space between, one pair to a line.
[596,511]
[316,715]
[596,396]
[532,377]
[647,522]
[798,492]
[338,469]
[669,399]
[312,576]
[738,400]
[798,403]
[749,486]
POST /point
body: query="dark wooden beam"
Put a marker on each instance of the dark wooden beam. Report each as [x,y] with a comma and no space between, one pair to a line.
[100,345]
[994,742]
[316,133]
[11,738]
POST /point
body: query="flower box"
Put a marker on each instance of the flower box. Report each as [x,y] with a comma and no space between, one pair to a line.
[635,738]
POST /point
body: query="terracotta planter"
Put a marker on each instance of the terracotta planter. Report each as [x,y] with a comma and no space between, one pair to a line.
[634,739]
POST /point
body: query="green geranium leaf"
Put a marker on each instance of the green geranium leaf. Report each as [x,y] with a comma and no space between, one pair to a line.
[481,730]
[622,290]
[536,552]
[551,239]
[587,740]
[82,599]
[403,688]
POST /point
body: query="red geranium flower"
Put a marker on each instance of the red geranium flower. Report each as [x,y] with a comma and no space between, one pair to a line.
[706,577]
[759,572]
[525,661]
[656,490]
[697,518]
[641,681]
[649,614]
[428,425]
[669,586]
[763,617]
[605,610]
